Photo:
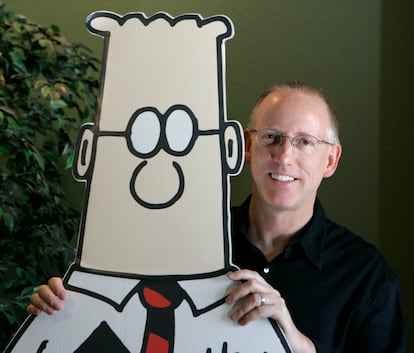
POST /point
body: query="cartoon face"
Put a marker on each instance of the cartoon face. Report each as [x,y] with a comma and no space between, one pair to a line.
[148,133]
[158,160]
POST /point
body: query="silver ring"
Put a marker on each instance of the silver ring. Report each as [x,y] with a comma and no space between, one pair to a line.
[262,300]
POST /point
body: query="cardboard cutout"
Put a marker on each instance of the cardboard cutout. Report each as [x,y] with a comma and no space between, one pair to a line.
[154,245]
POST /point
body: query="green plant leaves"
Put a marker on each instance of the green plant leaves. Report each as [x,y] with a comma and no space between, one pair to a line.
[45,90]
[57,104]
[48,87]
[18,62]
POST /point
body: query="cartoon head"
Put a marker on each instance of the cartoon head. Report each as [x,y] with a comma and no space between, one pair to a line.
[157,160]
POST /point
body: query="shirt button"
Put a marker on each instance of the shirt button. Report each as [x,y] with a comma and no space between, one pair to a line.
[266,270]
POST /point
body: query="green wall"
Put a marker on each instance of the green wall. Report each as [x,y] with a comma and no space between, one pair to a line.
[356,51]
[396,236]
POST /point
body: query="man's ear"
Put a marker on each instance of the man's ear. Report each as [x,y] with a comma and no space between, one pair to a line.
[84,152]
[234,146]
[333,160]
[247,143]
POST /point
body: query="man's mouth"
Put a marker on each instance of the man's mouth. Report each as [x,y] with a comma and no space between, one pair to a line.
[280,177]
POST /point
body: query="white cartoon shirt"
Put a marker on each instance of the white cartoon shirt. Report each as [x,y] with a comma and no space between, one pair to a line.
[110,309]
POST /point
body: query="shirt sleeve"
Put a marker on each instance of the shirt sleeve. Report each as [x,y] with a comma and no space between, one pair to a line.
[324,348]
[382,327]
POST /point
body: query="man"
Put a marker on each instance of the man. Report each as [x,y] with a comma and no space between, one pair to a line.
[328,289]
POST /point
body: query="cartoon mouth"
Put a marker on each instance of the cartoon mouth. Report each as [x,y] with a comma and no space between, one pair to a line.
[283,178]
[158,205]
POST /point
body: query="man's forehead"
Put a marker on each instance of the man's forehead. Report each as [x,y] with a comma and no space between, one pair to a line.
[293,103]
[283,95]
[293,112]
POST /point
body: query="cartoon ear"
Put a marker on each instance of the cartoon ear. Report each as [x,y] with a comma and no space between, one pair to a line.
[84,152]
[234,147]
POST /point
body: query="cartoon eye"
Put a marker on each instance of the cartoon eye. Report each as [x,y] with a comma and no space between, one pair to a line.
[145,132]
[179,130]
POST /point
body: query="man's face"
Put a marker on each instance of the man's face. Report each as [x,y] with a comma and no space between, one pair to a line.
[286,178]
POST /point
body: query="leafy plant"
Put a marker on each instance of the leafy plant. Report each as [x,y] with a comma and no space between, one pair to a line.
[48,87]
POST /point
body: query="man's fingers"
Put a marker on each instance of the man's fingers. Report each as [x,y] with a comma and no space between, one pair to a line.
[243,275]
[242,307]
[56,285]
[46,300]
[31,309]
[249,309]
[252,283]
[38,305]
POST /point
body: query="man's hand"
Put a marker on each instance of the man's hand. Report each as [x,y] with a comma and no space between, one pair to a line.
[254,298]
[49,298]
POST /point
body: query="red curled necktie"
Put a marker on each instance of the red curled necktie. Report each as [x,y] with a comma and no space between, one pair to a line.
[156,344]
[160,299]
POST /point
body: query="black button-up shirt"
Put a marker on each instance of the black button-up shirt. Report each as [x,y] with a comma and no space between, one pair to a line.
[338,288]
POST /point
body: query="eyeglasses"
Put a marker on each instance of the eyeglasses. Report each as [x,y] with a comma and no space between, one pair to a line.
[303,143]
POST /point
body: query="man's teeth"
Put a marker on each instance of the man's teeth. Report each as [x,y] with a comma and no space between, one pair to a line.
[280,177]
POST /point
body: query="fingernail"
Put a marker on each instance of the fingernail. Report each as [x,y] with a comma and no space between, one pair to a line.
[228,300]
[231,315]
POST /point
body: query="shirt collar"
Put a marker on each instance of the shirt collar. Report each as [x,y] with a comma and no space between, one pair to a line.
[311,240]
[313,237]
[203,292]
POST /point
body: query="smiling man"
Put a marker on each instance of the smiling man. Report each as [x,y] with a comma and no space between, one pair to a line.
[329,290]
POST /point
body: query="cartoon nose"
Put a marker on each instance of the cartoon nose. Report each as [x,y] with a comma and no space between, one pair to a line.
[167,180]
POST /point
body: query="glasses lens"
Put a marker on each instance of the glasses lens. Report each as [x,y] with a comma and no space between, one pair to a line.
[179,130]
[145,132]
[267,137]
[305,143]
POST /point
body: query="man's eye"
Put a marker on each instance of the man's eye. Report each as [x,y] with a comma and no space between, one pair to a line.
[269,136]
[306,141]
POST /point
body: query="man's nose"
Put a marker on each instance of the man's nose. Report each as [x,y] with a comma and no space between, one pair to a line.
[282,149]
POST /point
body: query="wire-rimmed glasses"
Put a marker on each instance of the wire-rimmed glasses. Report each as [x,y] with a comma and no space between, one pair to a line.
[302,142]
